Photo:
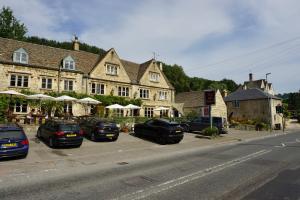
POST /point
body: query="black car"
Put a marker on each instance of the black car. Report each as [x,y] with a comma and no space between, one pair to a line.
[13,141]
[61,133]
[97,129]
[163,131]
[200,123]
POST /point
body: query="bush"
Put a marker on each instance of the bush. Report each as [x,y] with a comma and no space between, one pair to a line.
[261,126]
[214,131]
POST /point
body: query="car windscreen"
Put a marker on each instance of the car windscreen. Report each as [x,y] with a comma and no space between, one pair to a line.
[106,124]
[69,127]
[11,134]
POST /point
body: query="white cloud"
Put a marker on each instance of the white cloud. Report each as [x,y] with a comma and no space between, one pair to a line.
[176,30]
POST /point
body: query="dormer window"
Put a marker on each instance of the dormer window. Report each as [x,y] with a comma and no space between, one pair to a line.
[112,69]
[20,56]
[154,76]
[69,63]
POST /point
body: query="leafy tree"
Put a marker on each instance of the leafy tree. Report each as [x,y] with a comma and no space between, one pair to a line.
[10,27]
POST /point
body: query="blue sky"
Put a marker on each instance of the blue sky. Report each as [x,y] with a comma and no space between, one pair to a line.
[212,39]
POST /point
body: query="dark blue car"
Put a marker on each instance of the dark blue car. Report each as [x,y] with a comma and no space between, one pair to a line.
[13,141]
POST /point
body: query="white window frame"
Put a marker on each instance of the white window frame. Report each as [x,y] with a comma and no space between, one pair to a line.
[123,91]
[98,88]
[69,63]
[21,107]
[68,86]
[163,95]
[48,83]
[112,69]
[153,76]
[148,112]
[236,103]
[19,81]
[144,93]
[68,107]
[20,56]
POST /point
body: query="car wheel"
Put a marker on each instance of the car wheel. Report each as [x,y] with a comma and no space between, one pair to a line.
[51,142]
[161,140]
[93,137]
[114,139]
[176,141]
[77,146]
[24,156]
[38,134]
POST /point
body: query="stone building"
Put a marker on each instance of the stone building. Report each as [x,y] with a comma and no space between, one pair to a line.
[41,69]
[194,101]
[254,104]
[261,84]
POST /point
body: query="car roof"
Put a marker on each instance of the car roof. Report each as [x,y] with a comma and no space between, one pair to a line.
[166,121]
[10,126]
[62,121]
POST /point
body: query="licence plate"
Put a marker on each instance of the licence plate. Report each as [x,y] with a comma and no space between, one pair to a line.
[9,145]
[109,135]
[71,135]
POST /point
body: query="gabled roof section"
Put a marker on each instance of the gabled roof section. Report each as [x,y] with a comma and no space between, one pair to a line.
[190,99]
[249,94]
[45,56]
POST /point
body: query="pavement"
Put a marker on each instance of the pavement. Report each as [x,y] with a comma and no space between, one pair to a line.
[235,166]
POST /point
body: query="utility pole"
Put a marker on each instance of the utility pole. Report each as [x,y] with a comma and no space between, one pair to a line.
[270,106]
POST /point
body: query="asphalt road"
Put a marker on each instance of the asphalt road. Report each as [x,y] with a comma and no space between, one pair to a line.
[262,169]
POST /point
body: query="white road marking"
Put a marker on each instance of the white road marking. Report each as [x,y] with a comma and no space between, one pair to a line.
[141,194]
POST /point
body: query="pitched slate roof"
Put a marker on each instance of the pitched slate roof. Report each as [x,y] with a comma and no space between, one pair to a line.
[45,56]
[51,57]
[249,94]
[190,99]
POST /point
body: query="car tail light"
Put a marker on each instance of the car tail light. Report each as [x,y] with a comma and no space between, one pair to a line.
[81,132]
[59,133]
[25,142]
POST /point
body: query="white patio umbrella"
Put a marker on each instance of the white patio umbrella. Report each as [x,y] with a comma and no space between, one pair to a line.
[65,98]
[132,107]
[115,106]
[161,108]
[88,101]
[40,97]
[11,93]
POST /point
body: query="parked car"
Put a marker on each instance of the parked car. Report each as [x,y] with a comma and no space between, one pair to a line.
[97,129]
[200,123]
[61,133]
[13,141]
[163,131]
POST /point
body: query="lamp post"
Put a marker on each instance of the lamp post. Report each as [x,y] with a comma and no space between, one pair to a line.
[269,102]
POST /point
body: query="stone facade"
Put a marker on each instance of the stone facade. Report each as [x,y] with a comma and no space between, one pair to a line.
[90,74]
[194,102]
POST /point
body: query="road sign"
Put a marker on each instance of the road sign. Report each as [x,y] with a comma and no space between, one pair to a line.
[209,97]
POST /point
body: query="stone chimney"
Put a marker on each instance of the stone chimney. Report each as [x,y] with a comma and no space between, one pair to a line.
[160,66]
[250,77]
[76,43]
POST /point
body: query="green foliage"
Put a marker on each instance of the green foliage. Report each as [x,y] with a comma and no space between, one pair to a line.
[10,27]
[213,132]
[184,83]
[261,126]
[3,107]
[63,45]
[192,115]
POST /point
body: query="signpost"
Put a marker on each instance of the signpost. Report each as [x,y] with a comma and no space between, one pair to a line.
[210,99]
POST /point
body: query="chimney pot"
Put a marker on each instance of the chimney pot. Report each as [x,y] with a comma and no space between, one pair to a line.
[250,77]
[76,43]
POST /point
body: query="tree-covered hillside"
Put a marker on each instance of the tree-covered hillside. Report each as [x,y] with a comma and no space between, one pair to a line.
[184,83]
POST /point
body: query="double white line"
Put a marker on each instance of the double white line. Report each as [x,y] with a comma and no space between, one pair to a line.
[141,194]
